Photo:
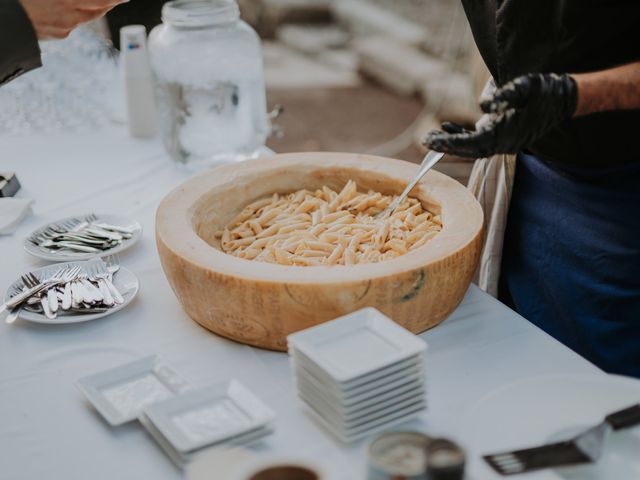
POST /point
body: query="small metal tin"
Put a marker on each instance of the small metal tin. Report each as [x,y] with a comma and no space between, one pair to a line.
[9,184]
[398,456]
[445,460]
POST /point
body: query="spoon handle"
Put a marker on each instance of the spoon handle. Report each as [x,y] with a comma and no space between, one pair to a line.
[429,161]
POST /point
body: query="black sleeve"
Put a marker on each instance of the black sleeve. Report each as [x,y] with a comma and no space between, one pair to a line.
[19,50]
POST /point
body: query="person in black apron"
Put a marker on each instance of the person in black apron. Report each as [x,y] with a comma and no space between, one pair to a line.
[568,104]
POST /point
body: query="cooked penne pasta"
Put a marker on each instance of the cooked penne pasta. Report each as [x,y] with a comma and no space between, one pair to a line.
[325,228]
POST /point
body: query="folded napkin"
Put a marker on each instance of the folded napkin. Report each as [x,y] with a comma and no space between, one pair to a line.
[12,211]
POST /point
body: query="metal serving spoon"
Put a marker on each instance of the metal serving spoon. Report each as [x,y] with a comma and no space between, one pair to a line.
[429,161]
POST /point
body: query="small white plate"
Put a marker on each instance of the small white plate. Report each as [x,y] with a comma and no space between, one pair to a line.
[352,435]
[124,280]
[120,393]
[384,400]
[405,373]
[209,415]
[46,254]
[550,408]
[346,414]
[386,390]
[357,344]
[299,359]
[366,415]
[182,459]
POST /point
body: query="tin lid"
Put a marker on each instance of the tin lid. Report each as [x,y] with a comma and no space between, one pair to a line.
[399,453]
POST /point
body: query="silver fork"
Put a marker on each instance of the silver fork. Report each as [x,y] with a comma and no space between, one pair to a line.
[112,266]
[29,281]
[45,301]
[23,296]
[35,287]
[97,271]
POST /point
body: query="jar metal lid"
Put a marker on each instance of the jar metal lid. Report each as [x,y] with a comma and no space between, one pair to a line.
[200,13]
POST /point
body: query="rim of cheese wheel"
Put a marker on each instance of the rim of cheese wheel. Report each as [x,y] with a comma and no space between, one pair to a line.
[186,210]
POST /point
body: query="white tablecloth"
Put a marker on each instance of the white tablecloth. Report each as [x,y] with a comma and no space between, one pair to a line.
[47,429]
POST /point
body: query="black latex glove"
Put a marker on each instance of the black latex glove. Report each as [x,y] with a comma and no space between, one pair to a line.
[519,113]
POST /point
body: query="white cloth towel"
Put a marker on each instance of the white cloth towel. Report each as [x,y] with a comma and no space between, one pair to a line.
[491,182]
[12,212]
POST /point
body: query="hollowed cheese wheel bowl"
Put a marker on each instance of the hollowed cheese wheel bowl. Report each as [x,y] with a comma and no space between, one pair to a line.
[260,303]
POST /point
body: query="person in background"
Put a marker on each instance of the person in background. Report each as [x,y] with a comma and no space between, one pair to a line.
[568,105]
[24,22]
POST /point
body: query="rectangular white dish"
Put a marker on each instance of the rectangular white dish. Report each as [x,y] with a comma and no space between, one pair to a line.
[353,414]
[365,389]
[299,360]
[209,415]
[388,390]
[362,419]
[357,344]
[120,393]
[352,435]
[181,459]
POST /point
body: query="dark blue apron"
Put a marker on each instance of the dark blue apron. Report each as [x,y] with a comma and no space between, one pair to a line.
[571,261]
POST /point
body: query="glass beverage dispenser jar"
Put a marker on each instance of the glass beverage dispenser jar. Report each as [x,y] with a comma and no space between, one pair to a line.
[209,82]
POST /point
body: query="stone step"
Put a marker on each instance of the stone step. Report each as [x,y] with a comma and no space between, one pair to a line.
[343,59]
[267,15]
[403,68]
[364,18]
[287,69]
[312,39]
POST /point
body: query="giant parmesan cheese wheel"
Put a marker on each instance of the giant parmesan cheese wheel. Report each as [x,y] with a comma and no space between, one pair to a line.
[260,303]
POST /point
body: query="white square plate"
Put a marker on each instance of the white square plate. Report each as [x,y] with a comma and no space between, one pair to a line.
[299,359]
[182,459]
[357,344]
[120,393]
[349,436]
[374,385]
[361,418]
[354,414]
[388,390]
[208,415]
[373,420]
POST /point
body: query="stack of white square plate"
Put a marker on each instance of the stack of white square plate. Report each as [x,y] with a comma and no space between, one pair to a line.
[222,415]
[184,421]
[359,374]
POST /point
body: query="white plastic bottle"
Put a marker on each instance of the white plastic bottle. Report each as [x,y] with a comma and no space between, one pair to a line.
[138,81]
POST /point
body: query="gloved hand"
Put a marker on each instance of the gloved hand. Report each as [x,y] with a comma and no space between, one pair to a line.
[518,113]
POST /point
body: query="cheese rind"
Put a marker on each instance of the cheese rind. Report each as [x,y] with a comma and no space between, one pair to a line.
[260,303]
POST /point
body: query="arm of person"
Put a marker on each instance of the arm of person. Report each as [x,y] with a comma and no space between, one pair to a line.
[57,18]
[23,22]
[526,108]
[614,89]
[19,50]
